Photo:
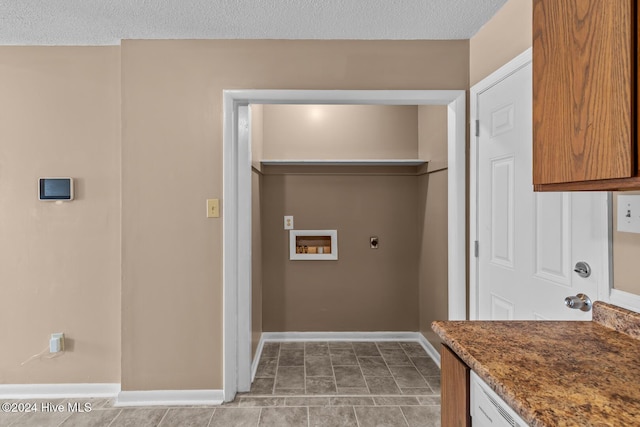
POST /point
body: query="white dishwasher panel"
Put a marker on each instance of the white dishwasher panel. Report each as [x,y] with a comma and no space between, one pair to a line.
[488,409]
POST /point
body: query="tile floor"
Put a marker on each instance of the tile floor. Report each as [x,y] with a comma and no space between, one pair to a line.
[310,384]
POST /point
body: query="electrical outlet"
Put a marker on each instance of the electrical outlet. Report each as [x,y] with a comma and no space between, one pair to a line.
[629,213]
[373,242]
[288,222]
[213,208]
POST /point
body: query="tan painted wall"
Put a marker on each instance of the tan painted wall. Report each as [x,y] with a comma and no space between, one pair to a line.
[340,132]
[626,253]
[433,220]
[60,263]
[172,152]
[504,37]
[365,289]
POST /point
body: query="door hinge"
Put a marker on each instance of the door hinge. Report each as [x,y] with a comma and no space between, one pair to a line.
[475,248]
[477,127]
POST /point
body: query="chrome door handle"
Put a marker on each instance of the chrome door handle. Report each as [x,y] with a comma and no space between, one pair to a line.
[583,269]
[579,302]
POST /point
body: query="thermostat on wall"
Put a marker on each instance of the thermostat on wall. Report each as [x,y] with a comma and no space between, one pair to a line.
[55,189]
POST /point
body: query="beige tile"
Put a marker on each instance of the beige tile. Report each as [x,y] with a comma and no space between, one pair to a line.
[318,366]
[346,357]
[258,402]
[267,367]
[395,356]
[42,418]
[348,376]
[270,349]
[366,349]
[382,385]
[413,349]
[352,401]
[7,418]
[388,345]
[290,377]
[418,391]
[422,416]
[353,390]
[139,417]
[320,385]
[340,344]
[307,401]
[396,401]
[262,386]
[279,417]
[434,383]
[95,418]
[374,367]
[294,345]
[290,392]
[407,377]
[379,416]
[316,349]
[429,400]
[426,366]
[236,417]
[337,416]
[187,417]
[291,357]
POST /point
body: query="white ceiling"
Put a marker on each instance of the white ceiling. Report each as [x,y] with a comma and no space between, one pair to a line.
[104,22]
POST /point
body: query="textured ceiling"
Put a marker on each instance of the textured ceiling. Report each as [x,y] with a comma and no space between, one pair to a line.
[103,22]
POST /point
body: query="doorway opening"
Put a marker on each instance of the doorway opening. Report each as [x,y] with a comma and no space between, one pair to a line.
[237,207]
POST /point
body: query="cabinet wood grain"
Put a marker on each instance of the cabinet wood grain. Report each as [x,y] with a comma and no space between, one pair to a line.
[455,389]
[584,91]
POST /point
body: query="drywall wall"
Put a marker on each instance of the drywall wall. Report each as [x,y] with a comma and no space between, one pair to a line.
[172,150]
[626,253]
[340,132]
[365,289]
[501,39]
[433,284]
[60,263]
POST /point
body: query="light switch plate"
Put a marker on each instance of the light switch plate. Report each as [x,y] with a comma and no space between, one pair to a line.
[288,222]
[629,213]
[213,208]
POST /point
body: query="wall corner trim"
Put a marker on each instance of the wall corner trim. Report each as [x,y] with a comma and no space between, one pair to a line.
[48,391]
[169,398]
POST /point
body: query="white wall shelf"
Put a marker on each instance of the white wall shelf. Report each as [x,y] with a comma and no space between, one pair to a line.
[313,245]
[345,162]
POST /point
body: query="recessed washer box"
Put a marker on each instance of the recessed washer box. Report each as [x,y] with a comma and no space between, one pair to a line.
[54,189]
[313,245]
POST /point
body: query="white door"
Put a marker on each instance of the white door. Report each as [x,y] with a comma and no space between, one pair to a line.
[528,243]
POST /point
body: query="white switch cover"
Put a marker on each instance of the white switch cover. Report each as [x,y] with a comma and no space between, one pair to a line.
[288,222]
[629,213]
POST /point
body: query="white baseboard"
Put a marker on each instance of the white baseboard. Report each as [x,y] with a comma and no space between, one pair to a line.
[256,358]
[430,349]
[345,336]
[52,391]
[169,398]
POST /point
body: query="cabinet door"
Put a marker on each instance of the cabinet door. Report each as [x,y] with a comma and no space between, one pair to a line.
[583,90]
[455,390]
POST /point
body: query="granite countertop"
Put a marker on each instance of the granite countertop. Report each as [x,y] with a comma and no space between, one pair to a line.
[555,373]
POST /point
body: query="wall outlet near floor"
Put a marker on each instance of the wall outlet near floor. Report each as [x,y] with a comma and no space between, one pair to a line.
[56,343]
[288,222]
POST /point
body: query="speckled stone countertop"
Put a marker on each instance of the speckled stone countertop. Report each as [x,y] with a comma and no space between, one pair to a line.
[556,373]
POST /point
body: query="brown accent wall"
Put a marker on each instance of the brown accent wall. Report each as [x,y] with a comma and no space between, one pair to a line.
[433,283]
[340,132]
[60,263]
[504,37]
[172,153]
[365,289]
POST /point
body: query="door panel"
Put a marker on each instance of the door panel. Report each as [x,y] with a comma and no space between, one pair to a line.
[528,242]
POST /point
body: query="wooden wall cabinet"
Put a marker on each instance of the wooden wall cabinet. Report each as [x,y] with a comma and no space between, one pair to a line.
[585,95]
[455,390]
